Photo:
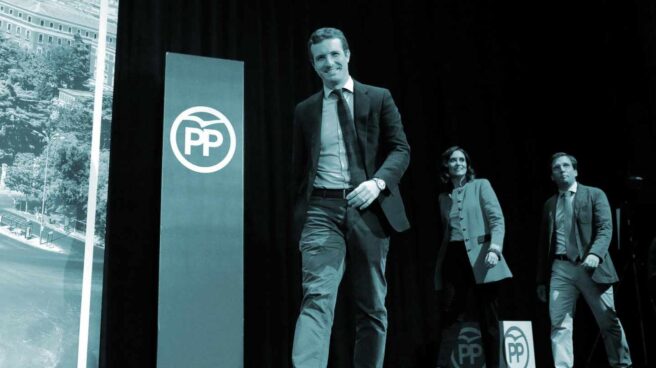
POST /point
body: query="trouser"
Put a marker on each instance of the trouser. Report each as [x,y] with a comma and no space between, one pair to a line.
[568,281]
[331,230]
[464,300]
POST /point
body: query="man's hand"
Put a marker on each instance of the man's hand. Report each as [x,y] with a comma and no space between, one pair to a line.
[363,195]
[542,293]
[591,262]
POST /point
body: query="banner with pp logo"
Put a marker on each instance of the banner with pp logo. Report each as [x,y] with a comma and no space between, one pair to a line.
[462,346]
[207,139]
[517,344]
[201,287]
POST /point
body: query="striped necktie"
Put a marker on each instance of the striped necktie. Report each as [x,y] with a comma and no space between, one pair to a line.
[356,169]
[567,220]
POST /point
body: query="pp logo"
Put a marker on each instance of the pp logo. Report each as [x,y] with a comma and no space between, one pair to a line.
[468,351]
[202,131]
[516,347]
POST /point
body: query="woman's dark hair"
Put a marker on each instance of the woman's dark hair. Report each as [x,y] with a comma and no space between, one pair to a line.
[444,167]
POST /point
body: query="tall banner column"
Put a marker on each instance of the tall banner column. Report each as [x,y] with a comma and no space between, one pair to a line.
[201,279]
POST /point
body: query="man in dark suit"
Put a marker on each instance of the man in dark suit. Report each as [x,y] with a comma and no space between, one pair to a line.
[573,257]
[349,153]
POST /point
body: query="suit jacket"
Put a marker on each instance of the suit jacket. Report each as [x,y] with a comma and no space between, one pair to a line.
[482,223]
[383,145]
[593,226]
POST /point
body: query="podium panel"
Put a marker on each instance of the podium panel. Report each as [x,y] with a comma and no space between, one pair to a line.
[517,349]
[200,314]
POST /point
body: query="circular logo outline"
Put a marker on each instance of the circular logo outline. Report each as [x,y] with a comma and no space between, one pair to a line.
[474,338]
[522,335]
[176,150]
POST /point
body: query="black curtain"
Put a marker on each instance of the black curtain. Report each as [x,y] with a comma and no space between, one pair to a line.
[512,82]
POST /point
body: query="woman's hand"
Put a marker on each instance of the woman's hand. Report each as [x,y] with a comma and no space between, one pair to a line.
[491,259]
[493,255]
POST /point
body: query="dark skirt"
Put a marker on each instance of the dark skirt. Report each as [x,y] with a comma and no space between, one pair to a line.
[463,300]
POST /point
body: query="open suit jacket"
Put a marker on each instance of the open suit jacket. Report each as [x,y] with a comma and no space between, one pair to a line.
[482,223]
[593,228]
[382,142]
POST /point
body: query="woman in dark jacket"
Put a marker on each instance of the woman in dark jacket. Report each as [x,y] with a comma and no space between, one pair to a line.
[470,260]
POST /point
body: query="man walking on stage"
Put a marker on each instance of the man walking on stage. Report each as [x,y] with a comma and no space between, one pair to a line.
[573,256]
[349,153]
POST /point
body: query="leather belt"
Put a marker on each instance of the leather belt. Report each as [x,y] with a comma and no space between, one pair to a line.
[330,193]
[480,240]
[563,257]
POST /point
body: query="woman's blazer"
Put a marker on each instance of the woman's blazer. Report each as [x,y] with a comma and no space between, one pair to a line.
[481,223]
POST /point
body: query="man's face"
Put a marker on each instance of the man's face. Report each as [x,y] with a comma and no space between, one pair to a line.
[330,61]
[562,172]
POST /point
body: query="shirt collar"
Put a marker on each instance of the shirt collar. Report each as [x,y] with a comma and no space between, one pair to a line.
[347,86]
[572,188]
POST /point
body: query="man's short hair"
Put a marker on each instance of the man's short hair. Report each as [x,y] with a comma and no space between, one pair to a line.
[326,33]
[558,155]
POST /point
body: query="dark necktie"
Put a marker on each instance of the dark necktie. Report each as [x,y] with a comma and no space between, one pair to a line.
[350,142]
[567,221]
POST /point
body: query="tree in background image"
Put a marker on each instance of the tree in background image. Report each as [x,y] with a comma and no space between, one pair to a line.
[101,198]
[43,74]
[69,186]
[36,127]
[10,56]
[70,64]
[22,124]
[27,178]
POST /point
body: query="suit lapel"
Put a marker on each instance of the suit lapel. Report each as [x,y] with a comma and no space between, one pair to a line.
[361,114]
[314,127]
[552,210]
[551,207]
[579,199]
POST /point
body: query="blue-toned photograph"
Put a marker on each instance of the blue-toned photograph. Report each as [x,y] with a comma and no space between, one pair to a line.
[49,82]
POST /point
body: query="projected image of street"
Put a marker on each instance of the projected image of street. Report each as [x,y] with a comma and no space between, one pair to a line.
[56,88]
[41,287]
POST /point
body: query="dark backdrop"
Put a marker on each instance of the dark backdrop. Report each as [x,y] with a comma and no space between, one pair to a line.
[510,81]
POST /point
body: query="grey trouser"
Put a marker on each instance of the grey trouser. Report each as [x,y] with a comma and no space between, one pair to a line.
[331,230]
[568,281]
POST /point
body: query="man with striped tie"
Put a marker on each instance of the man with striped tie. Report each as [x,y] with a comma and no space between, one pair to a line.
[573,260]
[349,153]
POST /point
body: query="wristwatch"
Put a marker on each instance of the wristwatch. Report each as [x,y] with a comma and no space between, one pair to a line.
[380,183]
